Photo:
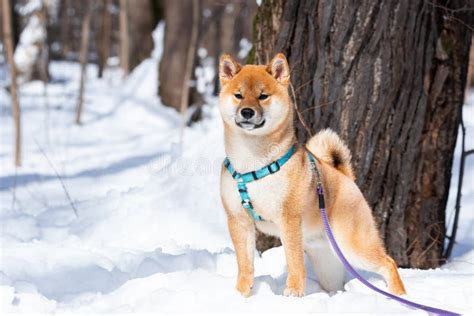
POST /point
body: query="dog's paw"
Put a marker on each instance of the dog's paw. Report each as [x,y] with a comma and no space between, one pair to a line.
[295,285]
[297,292]
[244,286]
[397,289]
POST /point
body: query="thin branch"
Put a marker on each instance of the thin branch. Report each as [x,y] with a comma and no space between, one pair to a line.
[300,116]
[457,207]
[450,13]
[445,8]
[303,85]
[469,152]
[321,105]
[434,240]
[66,192]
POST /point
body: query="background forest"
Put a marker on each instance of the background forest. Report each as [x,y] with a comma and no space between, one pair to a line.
[111,147]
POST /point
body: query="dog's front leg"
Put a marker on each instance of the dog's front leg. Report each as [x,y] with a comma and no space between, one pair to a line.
[292,239]
[242,232]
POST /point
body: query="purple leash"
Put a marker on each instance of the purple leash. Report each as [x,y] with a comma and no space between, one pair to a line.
[348,266]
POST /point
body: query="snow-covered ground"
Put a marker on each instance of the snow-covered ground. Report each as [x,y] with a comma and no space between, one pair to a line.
[150,234]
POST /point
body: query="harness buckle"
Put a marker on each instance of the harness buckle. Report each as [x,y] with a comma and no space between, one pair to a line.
[269,167]
[246,203]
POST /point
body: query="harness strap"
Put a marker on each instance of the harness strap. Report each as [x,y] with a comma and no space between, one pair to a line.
[243,179]
[347,265]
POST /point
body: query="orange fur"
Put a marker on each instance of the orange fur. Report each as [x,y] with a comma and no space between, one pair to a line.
[287,199]
[330,148]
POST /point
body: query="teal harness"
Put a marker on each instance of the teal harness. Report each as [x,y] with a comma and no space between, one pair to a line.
[243,179]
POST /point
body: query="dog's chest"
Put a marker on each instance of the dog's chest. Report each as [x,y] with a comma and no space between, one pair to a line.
[266,195]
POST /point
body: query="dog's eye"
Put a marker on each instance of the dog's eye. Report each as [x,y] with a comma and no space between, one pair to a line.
[263,96]
[238,96]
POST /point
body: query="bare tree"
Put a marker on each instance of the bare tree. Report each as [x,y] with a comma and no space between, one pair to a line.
[65,28]
[43,62]
[189,66]
[83,58]
[8,41]
[142,20]
[104,38]
[178,21]
[389,76]
[124,37]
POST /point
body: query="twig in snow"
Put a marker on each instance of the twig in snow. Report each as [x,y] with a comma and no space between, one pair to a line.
[66,192]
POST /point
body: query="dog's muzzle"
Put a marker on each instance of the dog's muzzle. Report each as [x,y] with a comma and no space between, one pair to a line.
[250,125]
[249,119]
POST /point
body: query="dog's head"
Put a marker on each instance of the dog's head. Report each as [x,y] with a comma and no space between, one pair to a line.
[254,99]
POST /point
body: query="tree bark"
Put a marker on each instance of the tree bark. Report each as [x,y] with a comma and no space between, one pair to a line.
[389,77]
[83,59]
[8,41]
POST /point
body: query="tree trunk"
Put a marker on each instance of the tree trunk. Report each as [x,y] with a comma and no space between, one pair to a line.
[470,72]
[104,38]
[178,25]
[189,64]
[222,25]
[65,29]
[83,58]
[31,53]
[142,21]
[8,41]
[389,77]
[15,25]
[124,37]
[42,71]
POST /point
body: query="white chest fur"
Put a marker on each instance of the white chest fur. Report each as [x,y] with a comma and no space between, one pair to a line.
[266,194]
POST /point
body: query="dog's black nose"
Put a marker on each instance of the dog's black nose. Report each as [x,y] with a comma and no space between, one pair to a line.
[247,113]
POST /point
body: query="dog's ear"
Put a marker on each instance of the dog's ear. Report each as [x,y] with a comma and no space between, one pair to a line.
[279,69]
[228,68]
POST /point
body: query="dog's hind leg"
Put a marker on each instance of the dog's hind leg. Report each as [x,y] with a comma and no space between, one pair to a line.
[374,259]
[364,249]
[328,268]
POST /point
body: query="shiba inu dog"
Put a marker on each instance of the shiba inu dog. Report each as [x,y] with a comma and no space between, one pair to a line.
[257,112]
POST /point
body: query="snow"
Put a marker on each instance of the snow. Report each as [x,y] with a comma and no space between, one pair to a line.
[28,49]
[150,235]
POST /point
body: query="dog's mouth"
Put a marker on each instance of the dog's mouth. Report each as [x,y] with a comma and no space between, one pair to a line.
[248,125]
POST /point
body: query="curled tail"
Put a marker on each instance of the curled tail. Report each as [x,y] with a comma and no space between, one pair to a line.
[327,146]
